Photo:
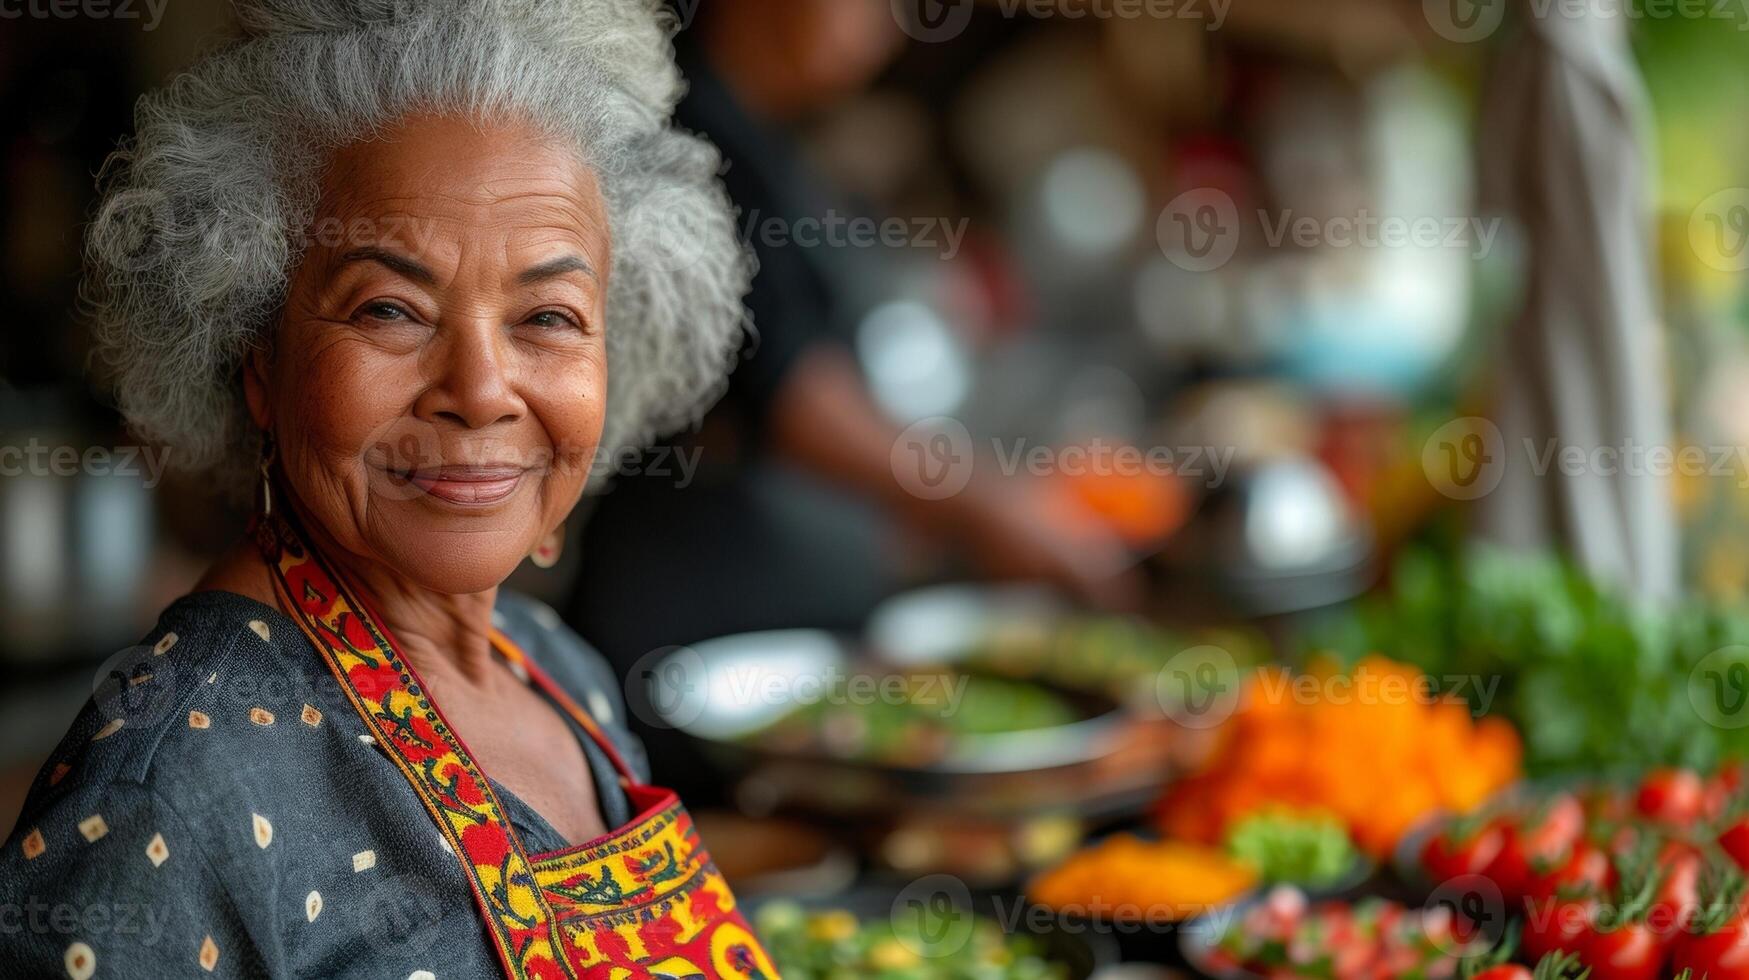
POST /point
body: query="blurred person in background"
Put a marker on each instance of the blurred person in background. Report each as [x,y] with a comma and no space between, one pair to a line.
[795,516]
[375,263]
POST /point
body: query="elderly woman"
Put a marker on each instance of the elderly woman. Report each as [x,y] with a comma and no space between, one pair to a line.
[402,271]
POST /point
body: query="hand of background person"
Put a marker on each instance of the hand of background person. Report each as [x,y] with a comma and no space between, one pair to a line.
[1019,528]
[1009,526]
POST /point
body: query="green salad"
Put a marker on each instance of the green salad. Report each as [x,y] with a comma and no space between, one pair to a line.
[835,945]
[1306,850]
[914,718]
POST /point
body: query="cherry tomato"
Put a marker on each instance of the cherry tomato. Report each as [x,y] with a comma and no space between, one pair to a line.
[1719,955]
[1587,870]
[1677,898]
[1672,796]
[1505,971]
[1735,841]
[1555,926]
[1542,838]
[1446,857]
[1628,952]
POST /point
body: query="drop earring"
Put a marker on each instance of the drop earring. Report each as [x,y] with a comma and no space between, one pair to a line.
[267,457]
[546,554]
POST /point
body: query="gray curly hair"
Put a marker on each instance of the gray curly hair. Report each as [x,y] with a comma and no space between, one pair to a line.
[203,210]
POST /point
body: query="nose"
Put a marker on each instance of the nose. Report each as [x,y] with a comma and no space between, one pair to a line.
[474,387]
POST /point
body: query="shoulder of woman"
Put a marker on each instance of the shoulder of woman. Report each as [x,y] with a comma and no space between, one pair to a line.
[109,877]
[181,704]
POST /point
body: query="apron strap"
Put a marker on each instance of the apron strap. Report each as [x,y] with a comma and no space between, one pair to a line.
[391,700]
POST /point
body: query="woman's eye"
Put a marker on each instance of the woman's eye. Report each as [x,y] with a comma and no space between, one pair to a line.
[383,311]
[551,319]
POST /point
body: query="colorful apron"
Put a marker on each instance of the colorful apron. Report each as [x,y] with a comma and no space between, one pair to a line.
[643,901]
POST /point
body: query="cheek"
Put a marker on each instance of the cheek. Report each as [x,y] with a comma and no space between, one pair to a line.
[571,402]
[342,398]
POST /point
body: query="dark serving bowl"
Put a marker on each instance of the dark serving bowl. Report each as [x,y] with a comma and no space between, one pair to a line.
[724,692]
[1083,952]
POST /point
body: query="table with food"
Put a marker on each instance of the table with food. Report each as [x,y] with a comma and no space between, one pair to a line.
[1434,780]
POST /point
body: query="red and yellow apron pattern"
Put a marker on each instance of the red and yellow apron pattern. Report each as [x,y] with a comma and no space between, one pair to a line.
[643,901]
[393,704]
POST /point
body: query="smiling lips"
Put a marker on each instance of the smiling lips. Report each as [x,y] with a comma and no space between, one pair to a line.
[468,484]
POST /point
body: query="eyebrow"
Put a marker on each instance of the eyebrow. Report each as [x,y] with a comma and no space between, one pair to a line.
[395,263]
[554,268]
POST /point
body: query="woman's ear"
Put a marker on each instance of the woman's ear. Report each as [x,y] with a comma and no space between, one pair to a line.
[255,367]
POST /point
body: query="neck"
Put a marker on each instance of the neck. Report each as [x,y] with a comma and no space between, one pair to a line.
[441,634]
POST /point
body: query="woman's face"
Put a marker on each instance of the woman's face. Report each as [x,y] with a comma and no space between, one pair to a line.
[437,384]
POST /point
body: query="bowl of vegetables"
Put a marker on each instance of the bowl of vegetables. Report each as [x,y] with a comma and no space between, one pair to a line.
[809,695]
[1311,851]
[1283,935]
[1637,879]
[1139,890]
[870,934]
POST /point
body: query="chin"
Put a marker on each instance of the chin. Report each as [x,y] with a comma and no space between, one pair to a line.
[454,556]
[443,567]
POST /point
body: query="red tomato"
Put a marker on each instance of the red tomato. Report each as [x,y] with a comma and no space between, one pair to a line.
[1446,858]
[1505,971]
[1735,841]
[1542,838]
[1627,952]
[1719,955]
[1672,796]
[1563,820]
[1555,926]
[1678,895]
[1587,870]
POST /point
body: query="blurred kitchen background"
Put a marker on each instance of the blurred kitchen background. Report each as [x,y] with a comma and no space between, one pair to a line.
[1096,160]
